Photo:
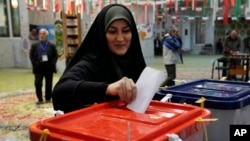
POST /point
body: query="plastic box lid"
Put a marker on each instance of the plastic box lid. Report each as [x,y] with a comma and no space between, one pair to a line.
[230,104]
[113,121]
[210,89]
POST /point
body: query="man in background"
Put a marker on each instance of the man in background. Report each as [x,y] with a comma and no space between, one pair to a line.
[157,45]
[171,54]
[43,56]
[231,47]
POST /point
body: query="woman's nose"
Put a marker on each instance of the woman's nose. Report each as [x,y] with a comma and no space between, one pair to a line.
[120,37]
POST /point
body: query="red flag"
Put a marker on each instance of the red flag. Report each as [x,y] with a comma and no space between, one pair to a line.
[147,13]
[84,6]
[58,6]
[226,12]
[167,11]
[170,2]
[187,3]
[101,4]
[204,3]
[233,2]
[35,3]
[143,15]
[156,13]
[136,12]
[176,10]
[195,4]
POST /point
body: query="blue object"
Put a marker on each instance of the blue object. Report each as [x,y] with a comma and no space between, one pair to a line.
[218,94]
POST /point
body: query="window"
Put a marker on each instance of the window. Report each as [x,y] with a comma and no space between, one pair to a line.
[15,21]
[4,29]
[200,31]
[9,20]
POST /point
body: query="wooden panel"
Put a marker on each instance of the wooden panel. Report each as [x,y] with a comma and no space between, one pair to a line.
[72,34]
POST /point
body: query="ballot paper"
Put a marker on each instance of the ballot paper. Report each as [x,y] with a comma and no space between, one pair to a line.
[147,85]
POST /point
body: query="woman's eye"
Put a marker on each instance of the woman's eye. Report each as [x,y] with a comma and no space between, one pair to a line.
[111,31]
[126,30]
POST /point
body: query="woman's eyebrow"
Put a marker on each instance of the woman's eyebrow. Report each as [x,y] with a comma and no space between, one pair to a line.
[117,27]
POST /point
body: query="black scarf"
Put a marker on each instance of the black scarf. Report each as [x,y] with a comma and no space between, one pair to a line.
[94,47]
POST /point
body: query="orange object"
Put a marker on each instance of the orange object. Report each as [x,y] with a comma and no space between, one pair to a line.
[113,121]
[143,34]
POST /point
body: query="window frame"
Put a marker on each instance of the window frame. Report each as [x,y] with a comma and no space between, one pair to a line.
[15,20]
[200,30]
[5,27]
[11,24]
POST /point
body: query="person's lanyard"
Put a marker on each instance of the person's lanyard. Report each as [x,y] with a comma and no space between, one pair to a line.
[43,46]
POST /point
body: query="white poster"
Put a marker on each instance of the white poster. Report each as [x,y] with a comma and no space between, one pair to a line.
[145,31]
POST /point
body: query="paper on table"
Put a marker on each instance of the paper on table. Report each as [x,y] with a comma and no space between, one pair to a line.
[147,84]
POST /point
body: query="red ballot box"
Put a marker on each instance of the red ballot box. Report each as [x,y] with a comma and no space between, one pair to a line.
[112,121]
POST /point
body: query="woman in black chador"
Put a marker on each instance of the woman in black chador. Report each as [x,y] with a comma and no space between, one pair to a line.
[107,64]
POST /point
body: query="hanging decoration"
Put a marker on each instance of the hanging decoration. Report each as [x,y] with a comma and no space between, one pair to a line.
[156,13]
[233,2]
[45,6]
[109,2]
[166,12]
[143,13]
[208,3]
[57,6]
[170,2]
[14,4]
[84,5]
[194,4]
[204,7]
[148,17]
[191,12]
[136,11]
[146,11]
[238,10]
[35,3]
[176,10]
[226,12]
[91,10]
[98,5]
[187,3]
[88,4]
[143,8]
[32,4]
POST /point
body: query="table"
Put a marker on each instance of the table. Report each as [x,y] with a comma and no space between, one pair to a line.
[239,65]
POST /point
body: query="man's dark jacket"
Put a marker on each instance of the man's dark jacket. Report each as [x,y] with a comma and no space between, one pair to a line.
[43,67]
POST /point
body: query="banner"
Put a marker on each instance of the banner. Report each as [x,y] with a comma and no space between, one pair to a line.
[145,31]
[59,38]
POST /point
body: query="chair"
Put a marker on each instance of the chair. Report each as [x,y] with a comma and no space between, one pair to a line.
[207,49]
[218,65]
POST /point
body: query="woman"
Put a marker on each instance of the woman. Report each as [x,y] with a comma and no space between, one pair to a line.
[107,64]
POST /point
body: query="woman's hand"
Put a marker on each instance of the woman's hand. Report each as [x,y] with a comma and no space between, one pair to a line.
[125,88]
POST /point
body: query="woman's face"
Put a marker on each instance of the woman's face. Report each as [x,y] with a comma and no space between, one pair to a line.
[119,37]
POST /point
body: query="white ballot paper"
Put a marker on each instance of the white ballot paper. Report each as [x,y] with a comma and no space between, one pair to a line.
[147,85]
